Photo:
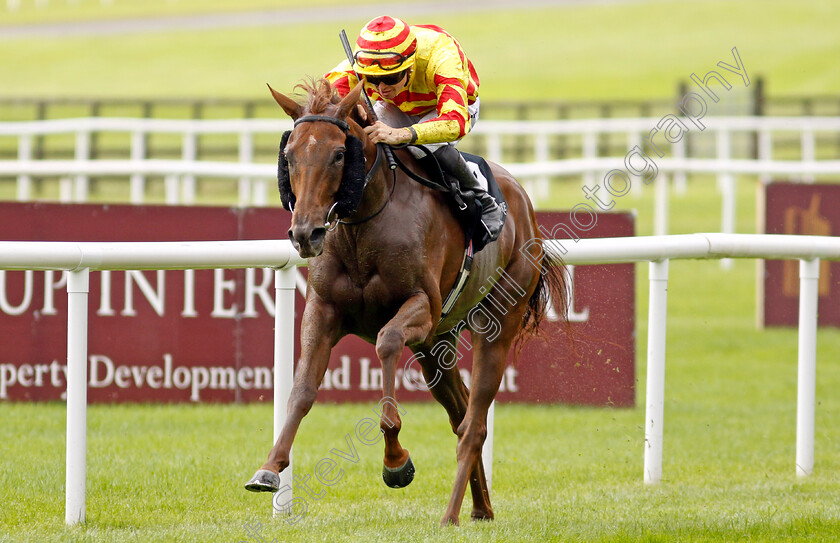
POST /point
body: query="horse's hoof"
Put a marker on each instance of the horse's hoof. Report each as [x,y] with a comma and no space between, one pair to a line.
[449,521]
[399,477]
[264,481]
[481,515]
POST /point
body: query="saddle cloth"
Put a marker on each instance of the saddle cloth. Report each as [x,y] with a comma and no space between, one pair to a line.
[470,217]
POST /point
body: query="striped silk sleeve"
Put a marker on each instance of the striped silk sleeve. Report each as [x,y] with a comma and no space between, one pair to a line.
[342,77]
[452,121]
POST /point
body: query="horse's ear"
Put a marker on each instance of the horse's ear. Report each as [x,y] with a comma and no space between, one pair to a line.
[349,101]
[292,108]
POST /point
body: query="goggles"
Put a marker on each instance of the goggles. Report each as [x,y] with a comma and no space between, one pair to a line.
[390,79]
[385,60]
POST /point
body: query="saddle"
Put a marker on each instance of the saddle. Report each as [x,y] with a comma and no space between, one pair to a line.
[466,208]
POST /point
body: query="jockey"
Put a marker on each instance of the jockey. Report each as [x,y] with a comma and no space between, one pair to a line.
[425,92]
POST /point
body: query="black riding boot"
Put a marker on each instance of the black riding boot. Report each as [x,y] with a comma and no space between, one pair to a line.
[492,216]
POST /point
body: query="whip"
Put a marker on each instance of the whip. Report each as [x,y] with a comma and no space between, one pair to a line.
[389,155]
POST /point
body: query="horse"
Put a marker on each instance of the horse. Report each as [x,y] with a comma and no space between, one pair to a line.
[383,251]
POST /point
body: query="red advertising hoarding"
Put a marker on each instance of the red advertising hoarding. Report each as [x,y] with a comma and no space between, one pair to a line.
[207,335]
[803,209]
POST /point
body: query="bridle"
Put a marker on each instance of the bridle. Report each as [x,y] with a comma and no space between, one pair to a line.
[331,213]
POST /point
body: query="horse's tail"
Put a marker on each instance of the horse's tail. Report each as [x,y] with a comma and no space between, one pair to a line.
[550,297]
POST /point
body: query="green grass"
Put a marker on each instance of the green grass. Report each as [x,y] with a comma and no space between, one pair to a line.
[167,473]
[175,473]
[614,51]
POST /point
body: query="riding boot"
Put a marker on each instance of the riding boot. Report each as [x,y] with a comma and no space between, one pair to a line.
[492,217]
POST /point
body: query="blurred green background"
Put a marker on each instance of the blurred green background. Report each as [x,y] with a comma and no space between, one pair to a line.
[574,50]
[562,473]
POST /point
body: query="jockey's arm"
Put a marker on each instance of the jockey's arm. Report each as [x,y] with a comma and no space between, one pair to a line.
[445,75]
[342,78]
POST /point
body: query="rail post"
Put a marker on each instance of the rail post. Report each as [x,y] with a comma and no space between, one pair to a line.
[655,393]
[726,186]
[76,463]
[24,182]
[81,182]
[284,356]
[809,274]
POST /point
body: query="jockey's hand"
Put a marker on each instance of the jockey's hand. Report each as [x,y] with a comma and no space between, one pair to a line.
[380,132]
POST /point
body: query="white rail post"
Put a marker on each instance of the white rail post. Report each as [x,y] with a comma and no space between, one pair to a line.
[137,182]
[726,184]
[765,152]
[190,154]
[246,156]
[655,393]
[494,147]
[171,183]
[590,151]
[487,449]
[634,139]
[541,155]
[680,178]
[660,205]
[76,462]
[809,151]
[284,355]
[24,182]
[809,274]
[80,182]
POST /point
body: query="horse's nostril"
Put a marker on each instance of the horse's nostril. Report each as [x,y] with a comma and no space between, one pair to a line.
[318,235]
[291,235]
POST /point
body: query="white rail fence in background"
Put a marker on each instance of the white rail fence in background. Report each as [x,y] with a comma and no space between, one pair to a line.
[80,258]
[14,5]
[255,181]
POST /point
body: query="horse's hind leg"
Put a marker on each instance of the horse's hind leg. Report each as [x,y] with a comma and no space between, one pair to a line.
[449,390]
[488,369]
[411,325]
[493,330]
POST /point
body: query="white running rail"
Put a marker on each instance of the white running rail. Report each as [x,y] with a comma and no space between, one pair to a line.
[255,179]
[80,258]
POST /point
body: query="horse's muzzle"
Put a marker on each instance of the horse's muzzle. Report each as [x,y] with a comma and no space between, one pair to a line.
[308,241]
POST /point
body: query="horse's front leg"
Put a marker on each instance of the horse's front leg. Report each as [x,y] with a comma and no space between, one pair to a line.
[412,324]
[319,332]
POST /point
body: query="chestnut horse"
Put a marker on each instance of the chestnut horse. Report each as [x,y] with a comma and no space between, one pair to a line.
[380,268]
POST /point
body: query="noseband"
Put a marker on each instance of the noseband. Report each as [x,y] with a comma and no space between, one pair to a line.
[331,221]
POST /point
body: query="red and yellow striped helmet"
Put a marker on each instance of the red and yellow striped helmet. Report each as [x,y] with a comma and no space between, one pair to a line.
[385,45]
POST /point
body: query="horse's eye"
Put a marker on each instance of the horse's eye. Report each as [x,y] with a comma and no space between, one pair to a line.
[339,157]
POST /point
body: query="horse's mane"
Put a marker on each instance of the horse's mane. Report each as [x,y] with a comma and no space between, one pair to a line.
[319,97]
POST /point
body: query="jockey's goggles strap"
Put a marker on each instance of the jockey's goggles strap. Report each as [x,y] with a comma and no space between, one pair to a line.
[325,118]
[385,60]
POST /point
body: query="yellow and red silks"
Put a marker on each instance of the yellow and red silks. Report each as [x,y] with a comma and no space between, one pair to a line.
[442,79]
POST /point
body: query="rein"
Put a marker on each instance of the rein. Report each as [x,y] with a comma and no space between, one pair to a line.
[443,185]
[369,217]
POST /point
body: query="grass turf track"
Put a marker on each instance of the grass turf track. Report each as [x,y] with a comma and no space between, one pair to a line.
[166,473]
[174,473]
